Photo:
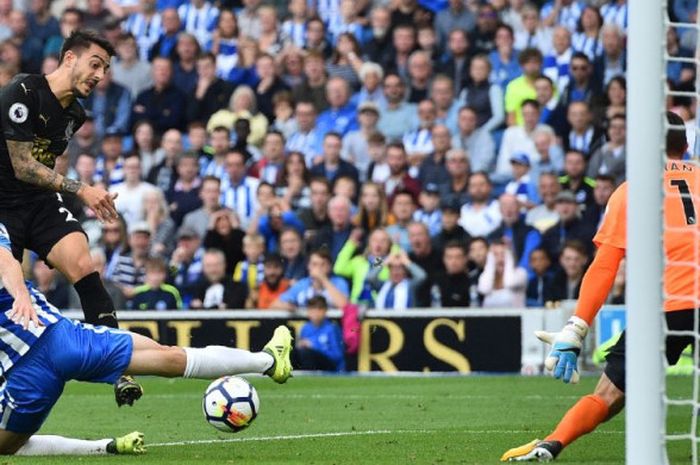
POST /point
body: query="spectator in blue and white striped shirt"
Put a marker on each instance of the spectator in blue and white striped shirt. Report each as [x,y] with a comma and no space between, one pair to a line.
[199,18]
[615,12]
[294,29]
[556,65]
[562,12]
[239,191]
[587,39]
[145,26]
[109,167]
[129,269]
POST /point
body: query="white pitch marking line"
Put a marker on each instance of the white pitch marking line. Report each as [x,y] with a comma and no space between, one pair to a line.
[345,433]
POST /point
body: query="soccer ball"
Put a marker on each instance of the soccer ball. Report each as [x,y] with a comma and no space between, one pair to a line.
[230,404]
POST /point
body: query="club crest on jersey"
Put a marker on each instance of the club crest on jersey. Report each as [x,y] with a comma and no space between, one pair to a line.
[18,112]
[69,130]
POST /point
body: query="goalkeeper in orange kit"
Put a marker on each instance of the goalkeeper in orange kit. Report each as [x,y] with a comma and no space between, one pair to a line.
[682,291]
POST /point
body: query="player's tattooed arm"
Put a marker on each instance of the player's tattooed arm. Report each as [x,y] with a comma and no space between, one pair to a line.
[31,171]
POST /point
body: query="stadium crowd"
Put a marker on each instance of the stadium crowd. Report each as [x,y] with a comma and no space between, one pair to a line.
[388,153]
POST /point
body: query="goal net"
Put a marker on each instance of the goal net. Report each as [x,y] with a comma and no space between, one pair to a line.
[662,413]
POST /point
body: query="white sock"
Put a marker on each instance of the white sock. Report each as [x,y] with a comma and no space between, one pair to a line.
[58,445]
[215,361]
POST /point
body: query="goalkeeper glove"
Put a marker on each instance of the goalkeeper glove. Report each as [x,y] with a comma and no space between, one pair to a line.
[566,346]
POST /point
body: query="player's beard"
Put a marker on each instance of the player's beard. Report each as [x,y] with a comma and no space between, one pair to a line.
[76,87]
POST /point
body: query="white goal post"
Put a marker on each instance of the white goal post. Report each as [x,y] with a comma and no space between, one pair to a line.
[645,412]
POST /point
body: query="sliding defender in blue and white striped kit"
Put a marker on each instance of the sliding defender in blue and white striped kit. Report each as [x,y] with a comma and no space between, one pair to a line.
[40,350]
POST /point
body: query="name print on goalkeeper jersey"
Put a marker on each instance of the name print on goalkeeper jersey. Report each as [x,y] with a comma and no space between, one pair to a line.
[30,112]
[681,232]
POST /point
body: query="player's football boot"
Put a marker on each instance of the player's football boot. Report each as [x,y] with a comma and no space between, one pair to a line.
[127,391]
[130,444]
[535,451]
[280,348]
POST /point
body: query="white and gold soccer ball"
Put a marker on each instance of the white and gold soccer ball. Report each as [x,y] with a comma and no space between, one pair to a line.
[230,404]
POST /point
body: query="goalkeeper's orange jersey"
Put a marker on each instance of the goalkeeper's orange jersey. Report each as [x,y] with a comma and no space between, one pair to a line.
[681,233]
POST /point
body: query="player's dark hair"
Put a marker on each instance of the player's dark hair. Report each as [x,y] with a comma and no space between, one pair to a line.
[481,239]
[275,132]
[317,302]
[82,39]
[676,143]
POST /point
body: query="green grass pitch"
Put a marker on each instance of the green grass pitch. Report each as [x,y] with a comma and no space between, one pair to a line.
[347,420]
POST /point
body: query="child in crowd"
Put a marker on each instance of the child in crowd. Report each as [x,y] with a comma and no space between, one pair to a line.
[429,211]
[250,271]
[155,294]
[320,343]
[522,185]
[378,170]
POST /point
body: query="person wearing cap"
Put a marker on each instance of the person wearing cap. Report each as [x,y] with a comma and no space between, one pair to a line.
[569,227]
[129,270]
[429,211]
[522,185]
[186,263]
[355,145]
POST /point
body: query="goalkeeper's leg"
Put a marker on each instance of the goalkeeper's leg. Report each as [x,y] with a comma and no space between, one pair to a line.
[590,411]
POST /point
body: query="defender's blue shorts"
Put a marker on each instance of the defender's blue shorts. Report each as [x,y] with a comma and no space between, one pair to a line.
[67,350]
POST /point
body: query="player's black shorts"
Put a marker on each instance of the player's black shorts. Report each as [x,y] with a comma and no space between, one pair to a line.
[38,224]
[681,320]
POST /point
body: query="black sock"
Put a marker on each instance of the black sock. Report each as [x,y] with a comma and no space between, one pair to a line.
[96,302]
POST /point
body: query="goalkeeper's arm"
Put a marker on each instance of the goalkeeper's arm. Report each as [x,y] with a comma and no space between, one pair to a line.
[598,281]
[596,285]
